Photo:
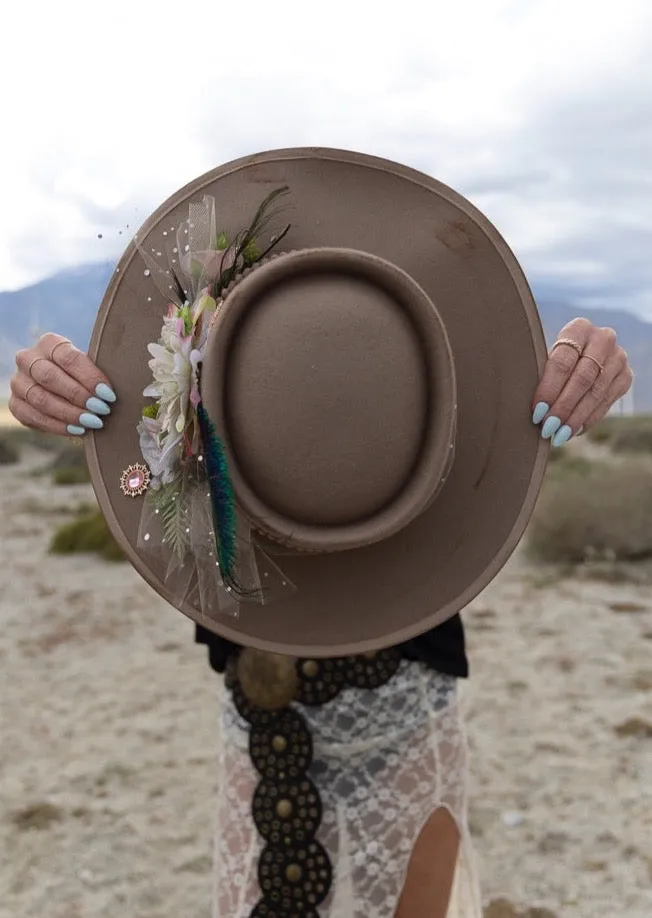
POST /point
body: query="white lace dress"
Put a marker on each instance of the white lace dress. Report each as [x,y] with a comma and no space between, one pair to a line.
[383,760]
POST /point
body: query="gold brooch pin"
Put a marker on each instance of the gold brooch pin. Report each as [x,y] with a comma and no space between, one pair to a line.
[135,480]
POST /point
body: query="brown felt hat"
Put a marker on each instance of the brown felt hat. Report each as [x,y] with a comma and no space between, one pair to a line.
[369,386]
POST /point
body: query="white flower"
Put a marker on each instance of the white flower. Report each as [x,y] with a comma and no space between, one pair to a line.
[161,452]
[174,367]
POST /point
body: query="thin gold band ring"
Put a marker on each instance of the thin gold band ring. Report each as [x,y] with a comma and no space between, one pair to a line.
[569,343]
[58,344]
[595,361]
[31,366]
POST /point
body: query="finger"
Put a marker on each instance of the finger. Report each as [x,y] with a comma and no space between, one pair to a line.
[562,361]
[49,405]
[59,351]
[30,417]
[593,374]
[600,393]
[79,367]
[56,380]
[619,388]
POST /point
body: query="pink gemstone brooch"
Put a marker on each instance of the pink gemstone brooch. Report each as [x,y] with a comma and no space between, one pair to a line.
[135,480]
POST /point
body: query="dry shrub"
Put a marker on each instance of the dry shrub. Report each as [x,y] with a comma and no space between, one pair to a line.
[604,431]
[69,465]
[634,438]
[9,452]
[71,476]
[39,815]
[69,456]
[20,437]
[592,511]
[33,507]
[624,434]
[87,533]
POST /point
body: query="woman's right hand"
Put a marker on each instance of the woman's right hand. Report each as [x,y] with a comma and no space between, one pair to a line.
[58,389]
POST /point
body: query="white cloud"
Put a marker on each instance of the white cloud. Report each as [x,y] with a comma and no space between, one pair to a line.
[539,111]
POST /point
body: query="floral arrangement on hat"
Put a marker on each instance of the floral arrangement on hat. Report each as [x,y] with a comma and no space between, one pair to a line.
[178,442]
[168,429]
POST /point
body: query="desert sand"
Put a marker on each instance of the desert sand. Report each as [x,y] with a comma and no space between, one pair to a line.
[108,735]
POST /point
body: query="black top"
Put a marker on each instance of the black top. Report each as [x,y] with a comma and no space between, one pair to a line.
[443,648]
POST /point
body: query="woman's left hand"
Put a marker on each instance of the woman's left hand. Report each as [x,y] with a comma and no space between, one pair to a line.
[586,373]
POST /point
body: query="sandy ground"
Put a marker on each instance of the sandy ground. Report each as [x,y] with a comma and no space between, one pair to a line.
[108,736]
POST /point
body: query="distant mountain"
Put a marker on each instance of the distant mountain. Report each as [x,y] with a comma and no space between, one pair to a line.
[68,301]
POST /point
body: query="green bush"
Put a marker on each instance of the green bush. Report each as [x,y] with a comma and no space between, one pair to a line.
[71,476]
[69,466]
[20,437]
[87,533]
[9,452]
[593,511]
[624,434]
[69,456]
[634,438]
[602,432]
[564,462]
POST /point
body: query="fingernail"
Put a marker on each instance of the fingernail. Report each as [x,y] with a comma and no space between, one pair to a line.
[91,420]
[562,436]
[540,411]
[550,428]
[76,431]
[105,392]
[97,406]
[580,431]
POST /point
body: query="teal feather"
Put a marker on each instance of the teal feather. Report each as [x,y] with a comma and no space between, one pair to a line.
[222,505]
[221,490]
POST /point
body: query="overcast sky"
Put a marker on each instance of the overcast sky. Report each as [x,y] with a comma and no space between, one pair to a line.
[540,112]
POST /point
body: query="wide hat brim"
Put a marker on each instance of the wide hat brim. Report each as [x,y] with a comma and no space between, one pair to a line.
[383,594]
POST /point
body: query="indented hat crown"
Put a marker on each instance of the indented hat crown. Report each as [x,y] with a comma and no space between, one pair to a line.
[329,374]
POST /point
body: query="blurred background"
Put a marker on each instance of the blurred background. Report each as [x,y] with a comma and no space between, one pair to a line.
[540,113]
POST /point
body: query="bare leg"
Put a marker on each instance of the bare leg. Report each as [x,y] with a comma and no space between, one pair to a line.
[431,871]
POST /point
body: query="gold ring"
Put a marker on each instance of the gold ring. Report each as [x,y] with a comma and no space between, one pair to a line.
[58,344]
[570,343]
[28,390]
[595,361]
[36,360]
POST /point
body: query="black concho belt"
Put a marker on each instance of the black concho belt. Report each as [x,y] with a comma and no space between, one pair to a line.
[294,871]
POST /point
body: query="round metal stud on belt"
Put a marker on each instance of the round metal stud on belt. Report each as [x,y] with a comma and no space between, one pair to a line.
[294,870]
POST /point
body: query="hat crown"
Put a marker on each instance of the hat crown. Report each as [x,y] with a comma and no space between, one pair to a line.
[329,373]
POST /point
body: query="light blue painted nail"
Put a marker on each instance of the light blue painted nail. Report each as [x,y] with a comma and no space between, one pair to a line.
[97,406]
[541,409]
[75,431]
[91,420]
[105,392]
[562,436]
[550,428]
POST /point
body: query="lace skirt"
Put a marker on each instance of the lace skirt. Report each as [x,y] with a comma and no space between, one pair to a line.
[384,759]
